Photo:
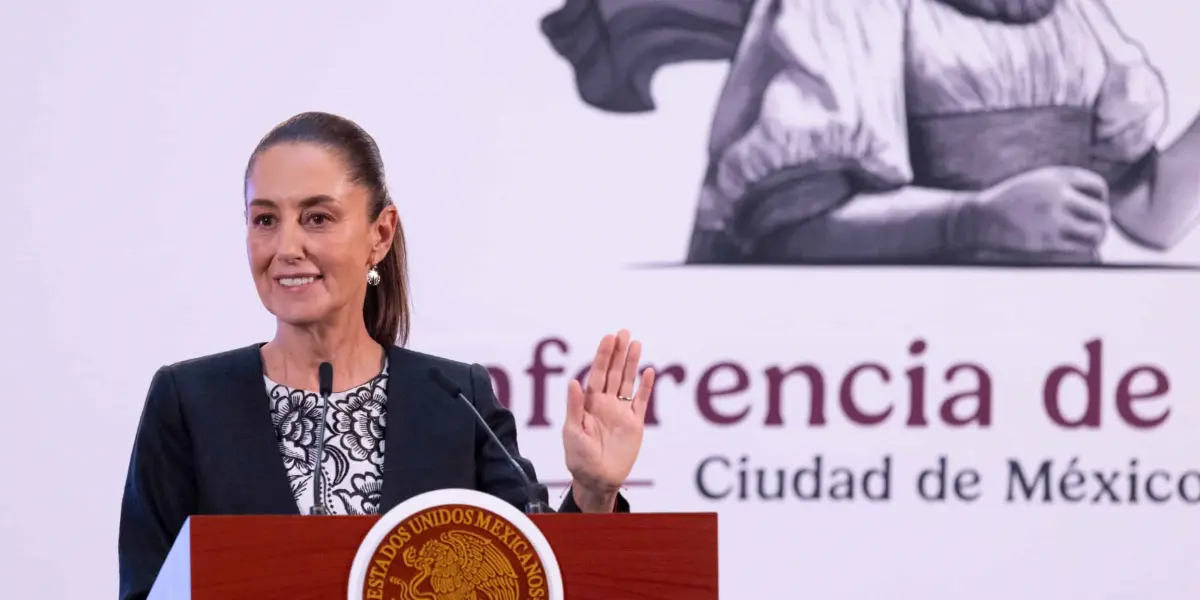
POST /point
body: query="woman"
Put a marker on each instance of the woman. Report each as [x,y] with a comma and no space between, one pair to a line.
[907,130]
[235,433]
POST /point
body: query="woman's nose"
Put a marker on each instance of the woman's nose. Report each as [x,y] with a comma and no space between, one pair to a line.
[291,242]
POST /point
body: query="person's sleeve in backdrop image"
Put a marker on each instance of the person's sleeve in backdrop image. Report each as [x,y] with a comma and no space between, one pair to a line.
[1131,108]
[811,114]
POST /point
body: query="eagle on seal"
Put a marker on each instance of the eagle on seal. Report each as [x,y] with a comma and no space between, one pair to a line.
[459,565]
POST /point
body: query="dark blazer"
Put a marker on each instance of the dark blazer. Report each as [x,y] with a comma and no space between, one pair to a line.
[206,445]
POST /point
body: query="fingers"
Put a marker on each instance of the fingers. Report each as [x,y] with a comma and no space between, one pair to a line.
[645,390]
[1085,208]
[1085,182]
[630,370]
[1084,223]
[1083,235]
[616,365]
[599,371]
[575,401]
[614,370]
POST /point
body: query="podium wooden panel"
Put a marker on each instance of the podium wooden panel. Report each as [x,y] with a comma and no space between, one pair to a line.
[602,556]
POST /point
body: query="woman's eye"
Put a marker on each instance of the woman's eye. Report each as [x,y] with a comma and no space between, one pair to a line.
[318,219]
[264,220]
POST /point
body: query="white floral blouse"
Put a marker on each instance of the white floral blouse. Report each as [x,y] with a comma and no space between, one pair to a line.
[354,444]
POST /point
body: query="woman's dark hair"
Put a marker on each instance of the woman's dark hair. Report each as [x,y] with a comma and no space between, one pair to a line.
[386,309]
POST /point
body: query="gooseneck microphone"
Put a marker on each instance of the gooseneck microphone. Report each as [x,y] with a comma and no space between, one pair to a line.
[325,385]
[534,504]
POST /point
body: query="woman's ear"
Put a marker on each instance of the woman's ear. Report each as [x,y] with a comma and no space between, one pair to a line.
[384,230]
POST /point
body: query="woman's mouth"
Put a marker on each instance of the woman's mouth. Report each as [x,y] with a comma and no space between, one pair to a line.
[297,282]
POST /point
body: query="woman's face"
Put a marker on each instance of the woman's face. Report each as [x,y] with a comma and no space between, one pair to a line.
[309,235]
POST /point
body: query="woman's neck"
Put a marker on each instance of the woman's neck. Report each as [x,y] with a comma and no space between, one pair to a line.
[294,355]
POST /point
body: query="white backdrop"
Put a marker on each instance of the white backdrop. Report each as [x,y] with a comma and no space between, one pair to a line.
[126,129]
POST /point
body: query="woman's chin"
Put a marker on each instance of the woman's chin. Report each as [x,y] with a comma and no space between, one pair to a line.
[301,315]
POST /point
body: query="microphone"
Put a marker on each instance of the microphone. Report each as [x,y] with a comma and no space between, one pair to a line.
[534,505]
[325,384]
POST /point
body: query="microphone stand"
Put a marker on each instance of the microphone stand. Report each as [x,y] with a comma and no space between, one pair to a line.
[325,377]
[533,505]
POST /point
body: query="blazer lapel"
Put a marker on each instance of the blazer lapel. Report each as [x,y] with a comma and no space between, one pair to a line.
[250,424]
[412,433]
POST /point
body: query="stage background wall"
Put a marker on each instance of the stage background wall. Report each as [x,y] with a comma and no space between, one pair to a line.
[537,221]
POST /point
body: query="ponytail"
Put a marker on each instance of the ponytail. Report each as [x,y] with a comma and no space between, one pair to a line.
[386,309]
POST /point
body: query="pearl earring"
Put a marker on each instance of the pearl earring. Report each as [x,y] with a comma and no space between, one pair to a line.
[373,277]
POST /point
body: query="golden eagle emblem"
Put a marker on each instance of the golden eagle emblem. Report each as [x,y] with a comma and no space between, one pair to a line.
[458,565]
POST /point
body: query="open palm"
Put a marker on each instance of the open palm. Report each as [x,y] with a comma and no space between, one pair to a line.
[603,431]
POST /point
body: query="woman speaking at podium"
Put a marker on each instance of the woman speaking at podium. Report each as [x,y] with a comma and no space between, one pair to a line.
[243,431]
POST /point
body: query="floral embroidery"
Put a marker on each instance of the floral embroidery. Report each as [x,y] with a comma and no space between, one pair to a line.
[363,496]
[354,444]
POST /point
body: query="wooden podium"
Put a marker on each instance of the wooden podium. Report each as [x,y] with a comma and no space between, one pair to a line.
[665,556]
